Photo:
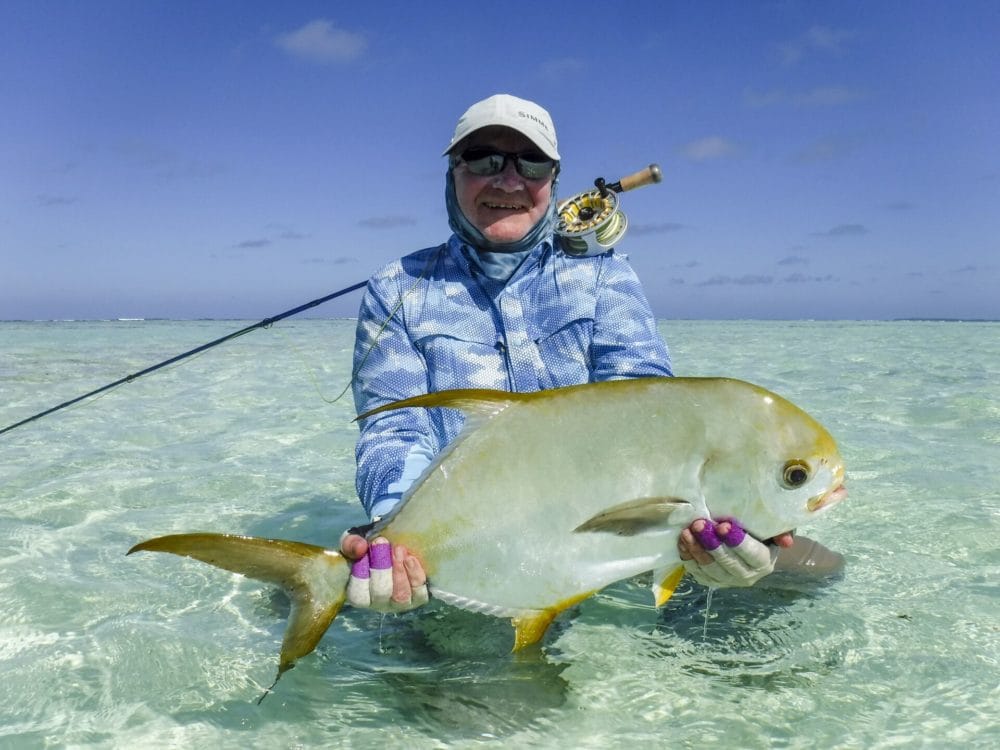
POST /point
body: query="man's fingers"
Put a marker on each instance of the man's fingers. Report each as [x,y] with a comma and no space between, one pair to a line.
[383,578]
[358,585]
[690,549]
[724,554]
[401,589]
[380,559]
[353,546]
[414,570]
[419,595]
[755,555]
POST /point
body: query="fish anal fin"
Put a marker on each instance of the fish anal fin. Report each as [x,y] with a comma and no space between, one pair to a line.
[313,578]
[638,516]
[665,583]
[530,627]
[473,401]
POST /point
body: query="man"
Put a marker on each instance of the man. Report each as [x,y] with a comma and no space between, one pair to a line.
[500,306]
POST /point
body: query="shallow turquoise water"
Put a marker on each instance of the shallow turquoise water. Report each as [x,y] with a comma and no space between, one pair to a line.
[101,650]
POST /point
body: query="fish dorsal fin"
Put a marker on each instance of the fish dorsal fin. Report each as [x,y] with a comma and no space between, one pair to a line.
[474,402]
[530,626]
[641,515]
[665,583]
[314,578]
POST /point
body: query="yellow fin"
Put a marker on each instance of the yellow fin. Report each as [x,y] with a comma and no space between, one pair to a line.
[314,578]
[663,590]
[477,401]
[530,627]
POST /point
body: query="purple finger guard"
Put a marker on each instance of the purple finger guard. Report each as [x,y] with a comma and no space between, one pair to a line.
[707,537]
[735,536]
[381,556]
[359,568]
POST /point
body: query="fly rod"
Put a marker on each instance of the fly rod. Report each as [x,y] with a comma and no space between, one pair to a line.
[265,323]
[589,223]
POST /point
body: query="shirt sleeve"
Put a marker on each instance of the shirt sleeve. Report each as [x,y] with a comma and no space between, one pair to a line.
[626,343]
[395,446]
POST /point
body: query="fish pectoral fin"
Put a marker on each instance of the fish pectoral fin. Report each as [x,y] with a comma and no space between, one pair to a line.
[639,516]
[665,583]
[530,625]
[479,402]
[314,578]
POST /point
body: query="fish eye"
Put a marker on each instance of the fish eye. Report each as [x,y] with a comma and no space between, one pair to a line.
[795,473]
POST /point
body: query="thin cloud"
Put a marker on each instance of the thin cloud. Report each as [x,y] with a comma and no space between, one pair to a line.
[320,41]
[48,200]
[387,222]
[829,96]
[844,230]
[319,260]
[665,227]
[801,278]
[165,163]
[562,69]
[745,280]
[711,147]
[817,40]
[284,232]
[761,99]
[793,260]
[828,149]
[821,96]
[279,233]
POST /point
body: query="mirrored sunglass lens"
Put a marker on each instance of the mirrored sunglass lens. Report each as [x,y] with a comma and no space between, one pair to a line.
[533,166]
[483,163]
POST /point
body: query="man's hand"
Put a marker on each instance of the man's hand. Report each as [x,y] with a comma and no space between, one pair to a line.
[383,577]
[723,555]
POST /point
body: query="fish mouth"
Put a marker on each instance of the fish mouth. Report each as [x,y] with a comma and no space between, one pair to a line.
[827,499]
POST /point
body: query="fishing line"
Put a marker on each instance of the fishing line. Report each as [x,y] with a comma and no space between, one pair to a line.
[708,608]
[589,224]
[265,323]
[375,339]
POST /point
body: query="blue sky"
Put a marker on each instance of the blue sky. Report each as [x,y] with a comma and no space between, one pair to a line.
[234,159]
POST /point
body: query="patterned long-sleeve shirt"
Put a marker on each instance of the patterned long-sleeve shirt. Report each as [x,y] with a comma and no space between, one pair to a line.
[432,322]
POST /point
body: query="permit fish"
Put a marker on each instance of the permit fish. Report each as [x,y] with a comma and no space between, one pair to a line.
[545,498]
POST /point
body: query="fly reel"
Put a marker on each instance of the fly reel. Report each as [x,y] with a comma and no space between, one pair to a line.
[591,223]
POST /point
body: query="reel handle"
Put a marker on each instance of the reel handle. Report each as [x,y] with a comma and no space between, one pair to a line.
[647,176]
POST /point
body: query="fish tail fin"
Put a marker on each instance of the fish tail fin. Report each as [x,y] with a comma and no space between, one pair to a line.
[314,578]
[665,582]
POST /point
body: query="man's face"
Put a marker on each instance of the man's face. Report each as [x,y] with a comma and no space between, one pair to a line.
[505,206]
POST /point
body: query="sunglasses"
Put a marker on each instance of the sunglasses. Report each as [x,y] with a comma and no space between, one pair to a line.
[483,161]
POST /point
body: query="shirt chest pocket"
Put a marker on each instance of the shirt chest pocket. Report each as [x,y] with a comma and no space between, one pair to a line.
[459,353]
[563,338]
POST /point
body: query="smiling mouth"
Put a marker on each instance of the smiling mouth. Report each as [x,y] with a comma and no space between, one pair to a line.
[503,206]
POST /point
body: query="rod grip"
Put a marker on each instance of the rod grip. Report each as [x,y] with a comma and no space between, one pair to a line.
[647,176]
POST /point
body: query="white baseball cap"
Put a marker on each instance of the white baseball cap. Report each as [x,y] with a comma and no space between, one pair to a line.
[527,118]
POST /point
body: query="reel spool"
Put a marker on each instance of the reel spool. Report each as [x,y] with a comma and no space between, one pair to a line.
[591,223]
